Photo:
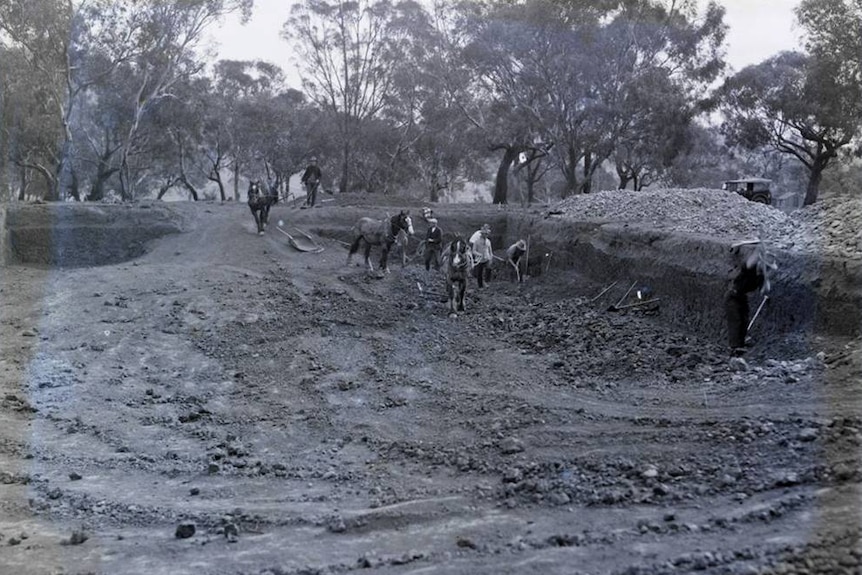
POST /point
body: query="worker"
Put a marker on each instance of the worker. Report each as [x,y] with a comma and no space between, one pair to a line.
[483,254]
[433,243]
[311,180]
[750,273]
[514,254]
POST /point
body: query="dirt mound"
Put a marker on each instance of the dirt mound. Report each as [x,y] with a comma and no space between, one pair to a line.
[830,226]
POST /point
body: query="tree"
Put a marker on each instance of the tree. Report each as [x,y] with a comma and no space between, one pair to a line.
[56,39]
[656,124]
[165,36]
[834,30]
[237,115]
[566,72]
[29,126]
[347,52]
[796,104]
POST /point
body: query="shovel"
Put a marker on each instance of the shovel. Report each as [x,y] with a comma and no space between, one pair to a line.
[604,291]
[757,313]
[636,304]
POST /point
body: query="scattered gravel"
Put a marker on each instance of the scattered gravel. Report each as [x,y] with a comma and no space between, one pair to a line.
[832,226]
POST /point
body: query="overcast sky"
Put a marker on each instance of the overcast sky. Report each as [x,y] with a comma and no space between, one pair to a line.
[758,29]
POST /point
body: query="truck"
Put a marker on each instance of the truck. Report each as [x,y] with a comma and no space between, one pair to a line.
[755,189]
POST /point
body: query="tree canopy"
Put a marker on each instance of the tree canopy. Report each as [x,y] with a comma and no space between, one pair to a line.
[397,96]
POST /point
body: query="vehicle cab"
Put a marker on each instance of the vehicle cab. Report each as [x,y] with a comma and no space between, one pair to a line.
[755,189]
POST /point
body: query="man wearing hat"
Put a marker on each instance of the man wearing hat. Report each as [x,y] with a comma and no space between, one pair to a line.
[752,268]
[514,254]
[311,180]
[433,243]
[483,254]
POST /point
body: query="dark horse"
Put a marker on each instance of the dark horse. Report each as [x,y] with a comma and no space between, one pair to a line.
[379,233]
[458,264]
[259,202]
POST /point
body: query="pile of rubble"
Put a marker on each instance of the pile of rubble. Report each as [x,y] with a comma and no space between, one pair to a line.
[831,226]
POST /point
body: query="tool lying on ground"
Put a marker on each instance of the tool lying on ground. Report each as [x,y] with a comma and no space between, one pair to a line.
[617,305]
[430,293]
[636,304]
[757,313]
[303,244]
[604,291]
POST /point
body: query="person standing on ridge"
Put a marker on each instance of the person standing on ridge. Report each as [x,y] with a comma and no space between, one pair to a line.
[311,180]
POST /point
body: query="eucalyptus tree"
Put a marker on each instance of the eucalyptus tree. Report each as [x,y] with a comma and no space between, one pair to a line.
[241,90]
[834,32]
[794,104]
[655,126]
[29,127]
[432,87]
[347,52]
[55,39]
[669,55]
[166,37]
[504,42]
[290,128]
[568,73]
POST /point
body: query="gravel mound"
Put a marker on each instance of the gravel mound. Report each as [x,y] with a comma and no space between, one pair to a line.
[832,226]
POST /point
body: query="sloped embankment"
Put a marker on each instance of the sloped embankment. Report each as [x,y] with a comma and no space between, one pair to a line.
[674,241]
[678,243]
[79,235]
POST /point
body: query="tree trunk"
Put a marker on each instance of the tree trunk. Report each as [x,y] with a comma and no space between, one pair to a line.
[163,189]
[22,192]
[624,176]
[97,190]
[183,179]
[56,184]
[188,185]
[50,180]
[436,186]
[501,183]
[236,180]
[345,170]
[73,187]
[570,171]
[812,190]
[587,184]
[215,176]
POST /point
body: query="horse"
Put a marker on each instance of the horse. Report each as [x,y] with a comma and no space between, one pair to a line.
[379,233]
[459,263]
[259,202]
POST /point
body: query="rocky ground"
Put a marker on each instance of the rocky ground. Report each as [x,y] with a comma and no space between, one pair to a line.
[228,405]
[832,226]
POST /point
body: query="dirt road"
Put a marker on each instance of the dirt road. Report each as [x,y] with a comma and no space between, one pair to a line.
[301,416]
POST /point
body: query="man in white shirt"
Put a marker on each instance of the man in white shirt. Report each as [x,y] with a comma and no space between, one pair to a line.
[483,254]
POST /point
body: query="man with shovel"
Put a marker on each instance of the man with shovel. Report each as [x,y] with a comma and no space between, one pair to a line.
[750,273]
[513,256]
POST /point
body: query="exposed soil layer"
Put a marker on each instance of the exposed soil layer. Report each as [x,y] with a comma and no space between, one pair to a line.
[225,404]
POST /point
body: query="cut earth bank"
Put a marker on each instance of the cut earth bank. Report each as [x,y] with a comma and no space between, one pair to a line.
[335,420]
